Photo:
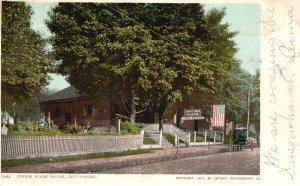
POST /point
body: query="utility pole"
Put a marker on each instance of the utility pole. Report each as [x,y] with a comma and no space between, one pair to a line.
[248,117]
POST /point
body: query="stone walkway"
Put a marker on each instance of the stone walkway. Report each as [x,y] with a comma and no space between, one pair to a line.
[105,164]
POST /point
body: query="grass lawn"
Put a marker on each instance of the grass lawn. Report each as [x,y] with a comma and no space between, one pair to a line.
[33,161]
[198,138]
[171,139]
[147,140]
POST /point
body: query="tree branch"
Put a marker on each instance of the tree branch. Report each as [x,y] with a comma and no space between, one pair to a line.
[141,111]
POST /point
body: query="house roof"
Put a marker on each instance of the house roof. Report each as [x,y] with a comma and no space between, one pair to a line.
[64,94]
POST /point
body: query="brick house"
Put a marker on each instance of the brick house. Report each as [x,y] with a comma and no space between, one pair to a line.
[68,106]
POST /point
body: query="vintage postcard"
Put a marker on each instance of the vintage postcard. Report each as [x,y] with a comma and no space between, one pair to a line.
[150,92]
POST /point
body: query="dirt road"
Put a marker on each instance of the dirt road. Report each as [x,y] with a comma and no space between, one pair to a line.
[197,160]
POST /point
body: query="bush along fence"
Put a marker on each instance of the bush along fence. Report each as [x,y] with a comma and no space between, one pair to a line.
[13,147]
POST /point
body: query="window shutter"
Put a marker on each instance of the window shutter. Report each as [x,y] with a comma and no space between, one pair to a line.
[84,112]
[93,111]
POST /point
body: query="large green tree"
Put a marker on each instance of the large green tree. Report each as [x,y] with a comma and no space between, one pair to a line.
[255,103]
[24,63]
[153,54]
[223,66]
[233,93]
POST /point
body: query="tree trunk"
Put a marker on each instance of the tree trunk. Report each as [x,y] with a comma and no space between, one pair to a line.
[161,110]
[160,120]
[112,112]
[133,110]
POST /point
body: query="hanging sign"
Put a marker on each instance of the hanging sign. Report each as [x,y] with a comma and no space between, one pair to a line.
[192,114]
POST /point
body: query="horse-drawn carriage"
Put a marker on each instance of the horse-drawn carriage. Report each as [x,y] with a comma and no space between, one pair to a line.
[239,140]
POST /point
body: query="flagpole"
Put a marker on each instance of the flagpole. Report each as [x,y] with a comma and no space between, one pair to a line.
[210,125]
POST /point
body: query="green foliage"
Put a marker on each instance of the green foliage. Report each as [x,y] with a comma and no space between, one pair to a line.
[253,140]
[130,128]
[34,161]
[92,132]
[16,127]
[233,93]
[170,138]
[147,140]
[227,139]
[73,129]
[24,126]
[154,54]
[255,101]
[24,64]
[199,138]
[30,126]
[252,134]
[32,129]
[36,133]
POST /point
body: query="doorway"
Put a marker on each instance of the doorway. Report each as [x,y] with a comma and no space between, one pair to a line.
[68,118]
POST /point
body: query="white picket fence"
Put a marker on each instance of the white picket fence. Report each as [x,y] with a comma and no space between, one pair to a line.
[39,146]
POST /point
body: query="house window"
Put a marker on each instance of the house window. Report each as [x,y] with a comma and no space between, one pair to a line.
[89,110]
[56,113]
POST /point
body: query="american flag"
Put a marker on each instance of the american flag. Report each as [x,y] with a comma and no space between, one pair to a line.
[218,117]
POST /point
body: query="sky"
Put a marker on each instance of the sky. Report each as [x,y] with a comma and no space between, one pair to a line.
[243,18]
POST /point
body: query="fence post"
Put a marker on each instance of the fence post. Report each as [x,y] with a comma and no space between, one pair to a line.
[223,136]
[187,143]
[176,135]
[119,126]
[4,130]
[205,135]
[215,137]
[142,136]
[160,137]
[195,136]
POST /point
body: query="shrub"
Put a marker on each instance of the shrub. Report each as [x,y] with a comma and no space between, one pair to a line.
[24,126]
[252,134]
[17,127]
[130,128]
[227,139]
[35,133]
[30,126]
[74,129]
[44,128]
[93,132]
